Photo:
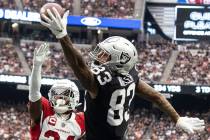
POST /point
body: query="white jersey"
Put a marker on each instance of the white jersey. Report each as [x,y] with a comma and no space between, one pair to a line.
[52,127]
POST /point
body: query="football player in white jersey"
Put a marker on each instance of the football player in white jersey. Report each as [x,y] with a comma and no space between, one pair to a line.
[55,118]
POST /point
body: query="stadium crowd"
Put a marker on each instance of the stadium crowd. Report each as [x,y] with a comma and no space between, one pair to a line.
[35,5]
[153,58]
[10,63]
[144,124]
[14,124]
[191,67]
[56,65]
[98,8]
[8,4]
[108,8]
[138,124]
[164,129]
[154,125]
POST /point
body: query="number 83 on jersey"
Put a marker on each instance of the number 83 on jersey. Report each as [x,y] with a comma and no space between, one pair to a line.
[116,112]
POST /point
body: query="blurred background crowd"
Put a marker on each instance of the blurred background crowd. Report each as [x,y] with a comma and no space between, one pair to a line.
[191,66]
[14,121]
[153,125]
[97,8]
[161,60]
[144,124]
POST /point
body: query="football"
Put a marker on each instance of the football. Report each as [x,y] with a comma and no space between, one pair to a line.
[50,6]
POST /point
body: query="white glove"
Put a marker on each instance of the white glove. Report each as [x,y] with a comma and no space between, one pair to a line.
[55,23]
[40,55]
[190,125]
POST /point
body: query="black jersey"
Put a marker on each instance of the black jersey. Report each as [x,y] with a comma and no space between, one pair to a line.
[107,115]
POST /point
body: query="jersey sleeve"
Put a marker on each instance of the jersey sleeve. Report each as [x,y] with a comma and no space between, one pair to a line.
[47,110]
[80,118]
[46,107]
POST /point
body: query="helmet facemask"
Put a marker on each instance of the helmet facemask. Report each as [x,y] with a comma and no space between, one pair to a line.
[100,56]
[116,58]
[63,99]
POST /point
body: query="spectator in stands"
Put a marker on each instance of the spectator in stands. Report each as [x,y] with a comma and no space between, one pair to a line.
[14,121]
[191,67]
[144,124]
[35,5]
[56,66]
[153,59]
[108,8]
[152,124]
[10,63]
[10,4]
[98,8]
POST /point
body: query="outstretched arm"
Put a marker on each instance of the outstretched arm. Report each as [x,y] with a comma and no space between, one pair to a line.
[35,106]
[187,124]
[147,92]
[58,27]
[78,65]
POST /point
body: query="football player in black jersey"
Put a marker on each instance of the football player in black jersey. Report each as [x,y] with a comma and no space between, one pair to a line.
[111,83]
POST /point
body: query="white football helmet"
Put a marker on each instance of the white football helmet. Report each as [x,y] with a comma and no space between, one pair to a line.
[116,52]
[64,96]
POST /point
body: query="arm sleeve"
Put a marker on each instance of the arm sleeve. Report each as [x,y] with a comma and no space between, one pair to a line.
[35,84]
[46,111]
[80,118]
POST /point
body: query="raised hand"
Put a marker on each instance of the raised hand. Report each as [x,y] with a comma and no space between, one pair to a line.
[55,23]
[40,54]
